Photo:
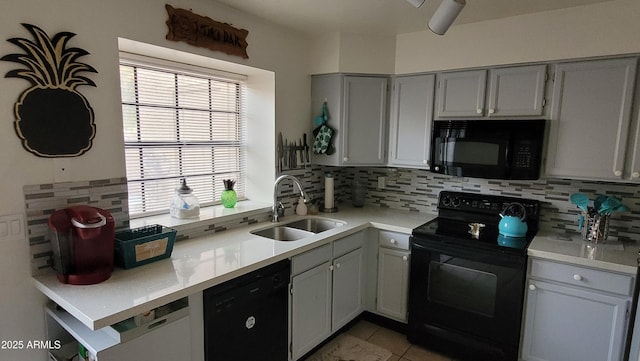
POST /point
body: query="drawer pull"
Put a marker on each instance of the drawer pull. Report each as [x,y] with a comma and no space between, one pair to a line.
[532,287]
[393,241]
[577,277]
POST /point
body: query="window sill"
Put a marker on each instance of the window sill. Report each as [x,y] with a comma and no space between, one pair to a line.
[208,215]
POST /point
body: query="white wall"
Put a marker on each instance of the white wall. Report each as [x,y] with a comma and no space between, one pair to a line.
[98,25]
[353,53]
[607,28]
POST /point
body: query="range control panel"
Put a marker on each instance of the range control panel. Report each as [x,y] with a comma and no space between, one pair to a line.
[483,203]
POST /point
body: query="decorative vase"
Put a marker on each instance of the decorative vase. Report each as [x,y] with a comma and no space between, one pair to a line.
[229,196]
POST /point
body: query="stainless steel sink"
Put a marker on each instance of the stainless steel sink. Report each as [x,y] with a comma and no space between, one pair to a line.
[297,230]
[315,225]
[282,233]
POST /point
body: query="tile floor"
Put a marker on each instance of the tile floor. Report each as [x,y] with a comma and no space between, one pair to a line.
[393,341]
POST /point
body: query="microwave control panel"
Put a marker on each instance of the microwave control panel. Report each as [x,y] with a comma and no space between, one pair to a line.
[523,154]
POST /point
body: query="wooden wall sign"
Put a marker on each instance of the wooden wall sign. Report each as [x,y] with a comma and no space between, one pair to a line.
[206,33]
[51,117]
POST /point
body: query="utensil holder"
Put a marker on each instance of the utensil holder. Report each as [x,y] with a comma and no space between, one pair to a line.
[597,228]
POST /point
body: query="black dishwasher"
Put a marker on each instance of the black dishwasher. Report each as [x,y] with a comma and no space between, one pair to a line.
[246,318]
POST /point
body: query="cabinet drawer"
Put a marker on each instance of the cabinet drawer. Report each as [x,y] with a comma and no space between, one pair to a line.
[310,259]
[581,276]
[348,244]
[393,240]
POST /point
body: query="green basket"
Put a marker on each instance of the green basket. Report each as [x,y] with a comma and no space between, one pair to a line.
[138,246]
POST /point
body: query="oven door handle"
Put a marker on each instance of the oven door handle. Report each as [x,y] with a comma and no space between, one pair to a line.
[480,255]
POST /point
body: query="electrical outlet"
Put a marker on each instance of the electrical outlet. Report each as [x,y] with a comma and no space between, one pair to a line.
[382,182]
[12,227]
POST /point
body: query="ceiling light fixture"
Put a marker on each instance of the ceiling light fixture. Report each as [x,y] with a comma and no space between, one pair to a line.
[416,3]
[445,15]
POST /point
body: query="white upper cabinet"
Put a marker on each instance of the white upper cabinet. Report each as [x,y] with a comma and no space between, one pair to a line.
[410,120]
[357,113]
[590,118]
[516,92]
[512,92]
[633,159]
[461,93]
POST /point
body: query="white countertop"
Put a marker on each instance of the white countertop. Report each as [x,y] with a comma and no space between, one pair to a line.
[202,262]
[612,255]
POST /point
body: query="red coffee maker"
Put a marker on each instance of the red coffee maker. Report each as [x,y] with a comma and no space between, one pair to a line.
[82,239]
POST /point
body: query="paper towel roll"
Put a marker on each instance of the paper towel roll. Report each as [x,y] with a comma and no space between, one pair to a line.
[328,191]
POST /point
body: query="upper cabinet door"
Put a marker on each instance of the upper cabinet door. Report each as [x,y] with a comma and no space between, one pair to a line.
[364,120]
[461,94]
[517,91]
[590,117]
[411,119]
[635,154]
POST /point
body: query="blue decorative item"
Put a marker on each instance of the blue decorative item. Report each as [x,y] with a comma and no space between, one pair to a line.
[513,223]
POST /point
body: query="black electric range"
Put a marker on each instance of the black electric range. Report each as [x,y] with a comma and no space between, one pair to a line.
[459,211]
[467,281]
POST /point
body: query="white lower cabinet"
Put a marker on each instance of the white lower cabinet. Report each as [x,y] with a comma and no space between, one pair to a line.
[310,309]
[575,313]
[327,290]
[348,288]
[393,275]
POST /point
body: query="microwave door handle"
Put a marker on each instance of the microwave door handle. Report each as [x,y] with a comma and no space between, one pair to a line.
[507,154]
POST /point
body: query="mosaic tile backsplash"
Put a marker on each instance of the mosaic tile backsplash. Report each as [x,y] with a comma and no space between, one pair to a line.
[42,200]
[417,190]
[414,190]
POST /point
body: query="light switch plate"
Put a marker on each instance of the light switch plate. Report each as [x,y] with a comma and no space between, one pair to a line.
[12,227]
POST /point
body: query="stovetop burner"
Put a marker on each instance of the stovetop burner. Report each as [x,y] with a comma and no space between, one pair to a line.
[471,220]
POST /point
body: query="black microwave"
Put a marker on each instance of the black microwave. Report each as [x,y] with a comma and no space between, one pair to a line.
[494,149]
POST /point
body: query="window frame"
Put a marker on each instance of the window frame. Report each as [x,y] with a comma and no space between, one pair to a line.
[183,69]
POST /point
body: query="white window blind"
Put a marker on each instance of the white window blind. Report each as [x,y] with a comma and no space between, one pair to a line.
[180,124]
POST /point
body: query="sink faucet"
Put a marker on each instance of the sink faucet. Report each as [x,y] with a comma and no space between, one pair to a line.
[278,207]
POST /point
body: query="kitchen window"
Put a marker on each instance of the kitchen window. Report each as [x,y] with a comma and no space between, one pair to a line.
[180,121]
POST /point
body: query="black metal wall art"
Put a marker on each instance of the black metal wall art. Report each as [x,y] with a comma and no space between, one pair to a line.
[51,117]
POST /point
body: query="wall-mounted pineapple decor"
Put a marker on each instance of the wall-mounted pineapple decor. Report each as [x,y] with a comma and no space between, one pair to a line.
[51,118]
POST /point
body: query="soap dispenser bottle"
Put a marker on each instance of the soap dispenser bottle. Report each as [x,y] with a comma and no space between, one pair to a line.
[301,208]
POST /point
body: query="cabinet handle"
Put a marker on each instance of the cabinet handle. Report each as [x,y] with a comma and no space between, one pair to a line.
[346,159]
[532,287]
[424,161]
[491,111]
[479,110]
[337,265]
[617,173]
[393,241]
[405,258]
[577,277]
[331,268]
[635,174]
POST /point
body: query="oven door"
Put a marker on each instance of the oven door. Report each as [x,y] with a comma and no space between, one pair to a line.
[467,296]
[479,157]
